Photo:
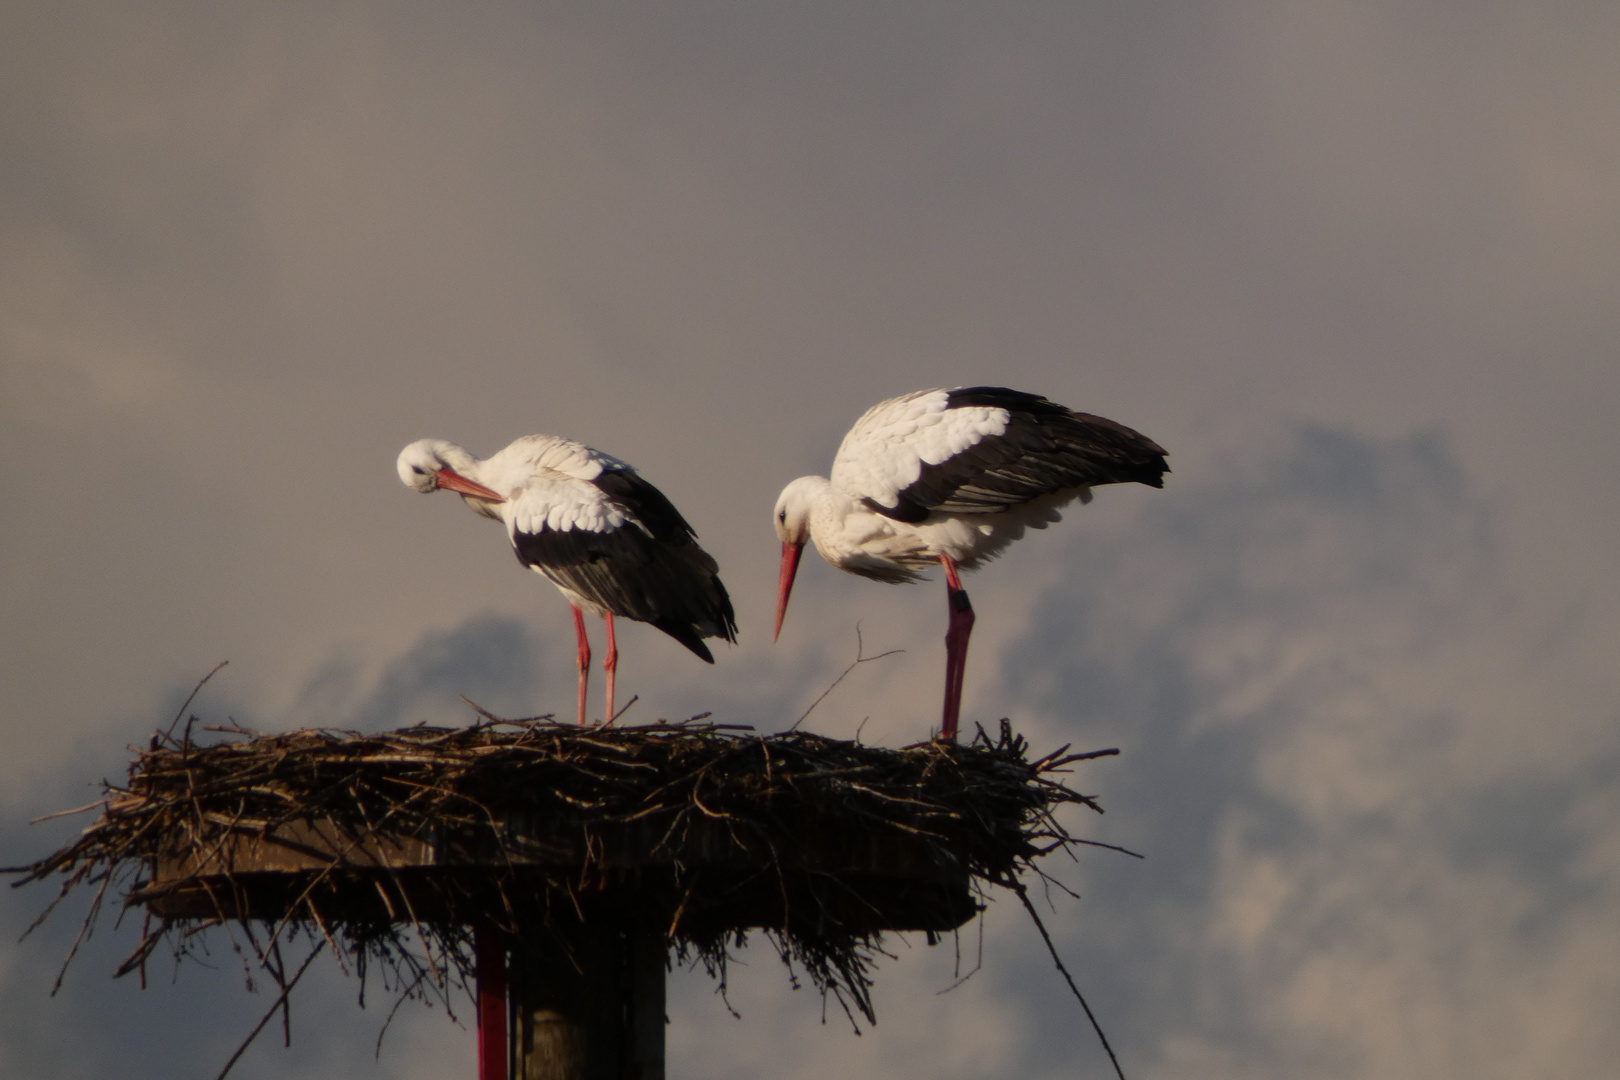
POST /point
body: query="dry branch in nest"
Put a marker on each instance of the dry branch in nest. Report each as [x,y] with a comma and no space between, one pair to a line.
[385,847]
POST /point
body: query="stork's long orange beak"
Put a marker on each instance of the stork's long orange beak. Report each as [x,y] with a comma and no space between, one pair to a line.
[784,586]
[450,480]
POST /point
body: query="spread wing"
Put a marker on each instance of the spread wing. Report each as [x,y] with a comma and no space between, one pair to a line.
[982,450]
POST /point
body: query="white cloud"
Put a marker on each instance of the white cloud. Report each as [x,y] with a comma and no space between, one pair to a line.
[1321,718]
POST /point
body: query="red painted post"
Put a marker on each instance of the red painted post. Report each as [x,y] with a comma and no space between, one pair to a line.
[489,967]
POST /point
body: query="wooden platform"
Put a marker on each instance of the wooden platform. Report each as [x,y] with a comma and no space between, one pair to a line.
[712,881]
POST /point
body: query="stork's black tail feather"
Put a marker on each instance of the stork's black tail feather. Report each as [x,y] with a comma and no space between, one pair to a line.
[687,636]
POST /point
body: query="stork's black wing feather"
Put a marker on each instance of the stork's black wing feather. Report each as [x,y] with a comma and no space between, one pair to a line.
[650,568]
[1046,448]
[646,504]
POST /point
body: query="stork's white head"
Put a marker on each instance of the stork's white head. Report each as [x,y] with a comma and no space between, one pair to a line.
[793,508]
[792,520]
[430,464]
[420,462]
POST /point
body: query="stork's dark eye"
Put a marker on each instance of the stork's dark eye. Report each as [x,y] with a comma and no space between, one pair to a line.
[418,470]
[782,517]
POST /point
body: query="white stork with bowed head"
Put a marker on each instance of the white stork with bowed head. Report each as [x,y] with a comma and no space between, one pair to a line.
[609,540]
[952,476]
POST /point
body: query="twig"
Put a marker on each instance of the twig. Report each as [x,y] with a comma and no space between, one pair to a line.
[857,662]
[405,994]
[59,814]
[84,930]
[169,734]
[1099,843]
[1023,895]
[280,1002]
[633,699]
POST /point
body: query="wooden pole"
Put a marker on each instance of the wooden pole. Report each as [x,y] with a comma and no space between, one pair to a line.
[489,966]
[590,1002]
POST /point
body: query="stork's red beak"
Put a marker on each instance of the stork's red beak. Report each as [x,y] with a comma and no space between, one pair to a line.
[450,480]
[790,568]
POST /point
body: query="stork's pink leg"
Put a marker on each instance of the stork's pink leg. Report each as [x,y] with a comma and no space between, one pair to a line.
[610,666]
[584,660]
[956,644]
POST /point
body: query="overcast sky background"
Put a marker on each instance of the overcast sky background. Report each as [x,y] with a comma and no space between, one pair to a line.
[1354,264]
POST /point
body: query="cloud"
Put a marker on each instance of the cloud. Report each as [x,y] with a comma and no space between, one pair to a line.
[493,661]
[1355,866]
[1361,677]
[1358,862]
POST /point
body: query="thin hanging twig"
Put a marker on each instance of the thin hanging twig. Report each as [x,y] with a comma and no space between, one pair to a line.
[1023,895]
[280,1003]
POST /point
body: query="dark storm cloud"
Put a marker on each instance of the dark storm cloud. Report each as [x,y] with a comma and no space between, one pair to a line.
[490,661]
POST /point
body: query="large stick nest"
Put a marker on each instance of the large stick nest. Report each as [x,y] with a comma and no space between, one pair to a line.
[709,829]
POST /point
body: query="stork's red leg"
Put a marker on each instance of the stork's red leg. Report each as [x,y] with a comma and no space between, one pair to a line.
[489,968]
[956,644]
[584,659]
[610,666]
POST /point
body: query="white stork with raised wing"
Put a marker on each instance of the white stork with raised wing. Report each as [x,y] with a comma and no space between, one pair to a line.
[609,540]
[953,477]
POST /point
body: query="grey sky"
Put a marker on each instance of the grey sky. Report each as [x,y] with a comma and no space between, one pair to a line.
[1353,264]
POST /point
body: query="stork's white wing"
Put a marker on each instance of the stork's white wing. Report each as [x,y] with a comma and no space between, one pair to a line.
[884,453]
[537,455]
[559,503]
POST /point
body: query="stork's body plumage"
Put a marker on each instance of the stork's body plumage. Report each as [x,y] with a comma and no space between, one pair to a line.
[609,540]
[953,477]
